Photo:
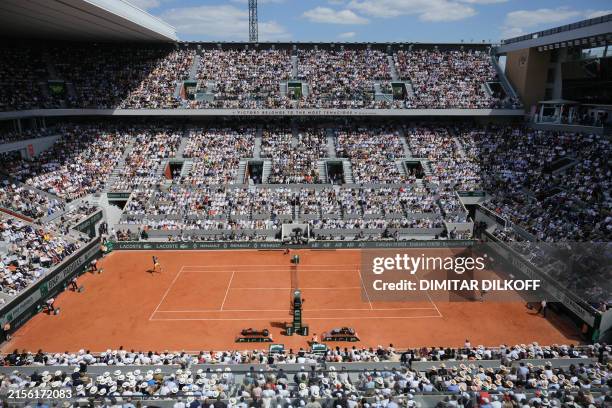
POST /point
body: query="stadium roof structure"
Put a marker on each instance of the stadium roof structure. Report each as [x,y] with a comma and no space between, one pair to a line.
[592,32]
[81,20]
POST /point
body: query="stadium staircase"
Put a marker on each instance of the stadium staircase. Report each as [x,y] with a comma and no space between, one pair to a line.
[426,169]
[486,88]
[181,148]
[392,69]
[379,95]
[409,88]
[177,90]
[407,152]
[71,90]
[117,171]
[322,170]
[187,165]
[458,144]
[295,134]
[49,65]
[401,166]
[267,169]
[502,78]
[348,171]
[331,146]
[294,66]
[295,212]
[44,90]
[112,213]
[241,172]
[257,146]
[459,147]
[159,173]
[193,70]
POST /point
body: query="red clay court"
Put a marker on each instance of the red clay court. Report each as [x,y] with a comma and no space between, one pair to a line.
[202,299]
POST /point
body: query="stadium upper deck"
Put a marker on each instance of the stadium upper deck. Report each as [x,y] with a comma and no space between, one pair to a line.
[218,78]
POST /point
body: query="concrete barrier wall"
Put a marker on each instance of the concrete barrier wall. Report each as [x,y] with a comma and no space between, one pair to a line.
[355,367]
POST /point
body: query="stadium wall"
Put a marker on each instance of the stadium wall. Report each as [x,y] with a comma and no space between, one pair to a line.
[67,113]
[605,327]
[88,226]
[29,147]
[570,301]
[25,305]
[527,69]
[146,245]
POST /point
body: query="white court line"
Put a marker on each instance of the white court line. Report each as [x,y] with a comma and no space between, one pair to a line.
[216,271]
[266,265]
[364,288]
[166,293]
[309,318]
[433,303]
[251,270]
[227,290]
[321,288]
[288,310]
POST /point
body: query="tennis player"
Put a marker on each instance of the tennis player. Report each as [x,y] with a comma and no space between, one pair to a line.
[156,264]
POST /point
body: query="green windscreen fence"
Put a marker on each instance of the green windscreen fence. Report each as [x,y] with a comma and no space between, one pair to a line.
[399,90]
[57,88]
[294,90]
